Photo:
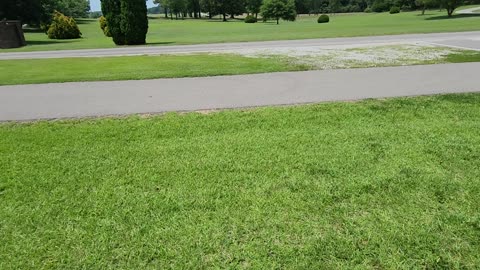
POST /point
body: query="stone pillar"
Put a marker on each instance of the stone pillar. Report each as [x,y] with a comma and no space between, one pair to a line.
[11,34]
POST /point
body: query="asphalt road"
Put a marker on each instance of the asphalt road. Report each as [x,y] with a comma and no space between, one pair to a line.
[71,100]
[467,40]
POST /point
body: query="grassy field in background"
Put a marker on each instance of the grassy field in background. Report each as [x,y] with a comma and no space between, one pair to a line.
[164,66]
[377,184]
[167,32]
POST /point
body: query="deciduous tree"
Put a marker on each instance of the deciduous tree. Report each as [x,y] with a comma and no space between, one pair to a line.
[279,9]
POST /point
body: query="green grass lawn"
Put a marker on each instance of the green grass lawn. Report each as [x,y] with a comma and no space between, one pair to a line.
[167,32]
[377,184]
[166,66]
[135,68]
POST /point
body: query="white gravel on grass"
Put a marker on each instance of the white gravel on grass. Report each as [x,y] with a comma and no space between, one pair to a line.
[370,56]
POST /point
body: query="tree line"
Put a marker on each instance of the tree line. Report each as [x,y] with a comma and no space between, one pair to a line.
[176,9]
[40,11]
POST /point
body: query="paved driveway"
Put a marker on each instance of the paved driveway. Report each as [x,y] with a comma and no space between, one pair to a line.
[66,100]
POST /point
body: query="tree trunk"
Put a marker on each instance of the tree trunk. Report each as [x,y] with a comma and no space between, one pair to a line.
[277,21]
[224,17]
[166,13]
[450,11]
[424,8]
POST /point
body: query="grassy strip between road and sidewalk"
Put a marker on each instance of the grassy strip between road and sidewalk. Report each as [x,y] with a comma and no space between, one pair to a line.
[376,184]
[174,66]
[168,32]
[134,68]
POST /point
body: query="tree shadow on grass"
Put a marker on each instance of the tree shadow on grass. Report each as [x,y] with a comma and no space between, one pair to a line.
[229,20]
[160,43]
[455,16]
[47,42]
[33,30]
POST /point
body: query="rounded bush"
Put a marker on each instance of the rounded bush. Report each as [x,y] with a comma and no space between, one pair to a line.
[63,27]
[394,10]
[323,18]
[104,27]
[250,19]
[368,10]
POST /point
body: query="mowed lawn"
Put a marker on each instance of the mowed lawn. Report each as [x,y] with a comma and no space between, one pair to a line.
[31,71]
[138,68]
[168,32]
[377,184]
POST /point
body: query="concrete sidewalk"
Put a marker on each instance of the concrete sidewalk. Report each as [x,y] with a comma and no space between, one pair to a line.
[68,100]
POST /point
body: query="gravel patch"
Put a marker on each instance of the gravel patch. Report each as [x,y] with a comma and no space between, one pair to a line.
[370,56]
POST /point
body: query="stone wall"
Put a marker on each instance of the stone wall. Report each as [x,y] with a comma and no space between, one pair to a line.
[11,35]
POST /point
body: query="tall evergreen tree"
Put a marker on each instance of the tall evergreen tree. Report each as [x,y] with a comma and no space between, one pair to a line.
[111,10]
[134,21]
[127,20]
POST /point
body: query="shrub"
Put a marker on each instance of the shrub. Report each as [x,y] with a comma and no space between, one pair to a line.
[250,19]
[63,27]
[323,18]
[368,10]
[104,27]
[394,10]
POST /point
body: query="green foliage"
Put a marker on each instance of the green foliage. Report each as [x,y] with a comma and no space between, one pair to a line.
[253,6]
[126,20]
[250,19]
[381,6]
[278,9]
[41,11]
[367,10]
[323,18]
[104,26]
[394,10]
[134,21]
[111,11]
[63,27]
[95,15]
[73,8]
[450,5]
[28,11]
